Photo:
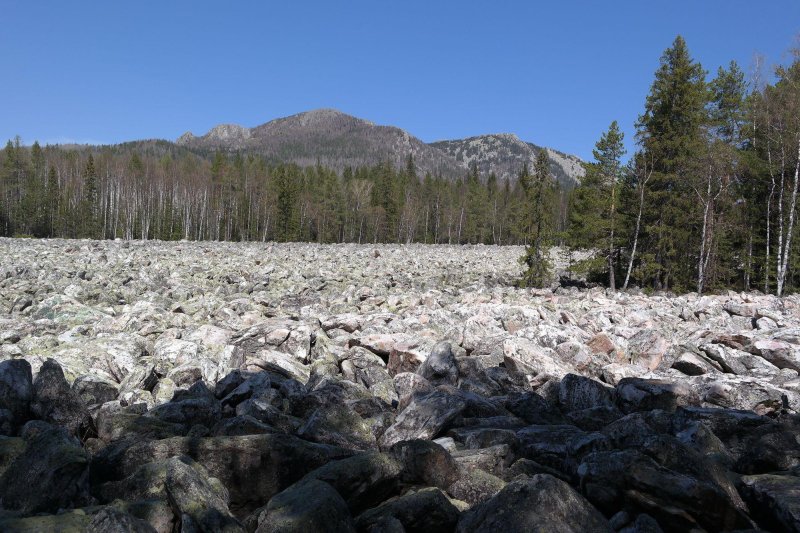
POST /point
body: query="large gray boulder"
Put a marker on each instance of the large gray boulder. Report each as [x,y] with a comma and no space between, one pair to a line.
[424,418]
[440,366]
[774,500]
[56,403]
[199,501]
[51,474]
[309,506]
[427,509]
[253,467]
[16,390]
[541,503]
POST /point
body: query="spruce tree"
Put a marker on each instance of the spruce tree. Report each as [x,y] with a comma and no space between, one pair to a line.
[89,220]
[539,197]
[593,219]
[670,134]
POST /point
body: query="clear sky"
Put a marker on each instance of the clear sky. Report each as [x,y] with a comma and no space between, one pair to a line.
[555,73]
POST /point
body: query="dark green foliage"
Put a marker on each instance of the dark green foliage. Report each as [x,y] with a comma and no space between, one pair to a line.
[593,217]
[539,198]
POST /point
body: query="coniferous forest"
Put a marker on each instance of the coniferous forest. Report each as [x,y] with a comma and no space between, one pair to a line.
[706,203]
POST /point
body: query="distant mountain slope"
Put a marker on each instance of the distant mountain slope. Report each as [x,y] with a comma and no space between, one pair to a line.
[338,140]
[505,154]
[334,139]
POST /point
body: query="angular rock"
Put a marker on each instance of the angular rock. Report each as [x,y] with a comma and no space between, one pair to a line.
[774,500]
[56,403]
[427,509]
[51,474]
[16,390]
[578,392]
[424,418]
[440,366]
[541,503]
[309,506]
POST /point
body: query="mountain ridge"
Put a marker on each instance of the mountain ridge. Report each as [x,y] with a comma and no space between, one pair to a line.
[339,140]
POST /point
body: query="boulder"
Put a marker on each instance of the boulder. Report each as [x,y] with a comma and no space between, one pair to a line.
[424,418]
[440,366]
[774,500]
[56,403]
[426,509]
[309,506]
[577,392]
[16,390]
[200,502]
[253,467]
[540,503]
[51,474]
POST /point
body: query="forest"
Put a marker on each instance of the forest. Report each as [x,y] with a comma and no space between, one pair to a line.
[706,203]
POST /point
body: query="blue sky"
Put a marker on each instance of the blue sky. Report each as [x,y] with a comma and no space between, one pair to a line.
[554,73]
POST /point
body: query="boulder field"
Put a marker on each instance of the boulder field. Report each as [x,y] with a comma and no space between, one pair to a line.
[197,386]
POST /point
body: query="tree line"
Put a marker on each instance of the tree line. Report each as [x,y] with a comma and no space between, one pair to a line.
[707,202]
[157,190]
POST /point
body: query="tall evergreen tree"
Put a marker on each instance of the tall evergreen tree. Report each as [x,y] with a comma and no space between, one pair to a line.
[670,134]
[89,223]
[539,196]
[593,215]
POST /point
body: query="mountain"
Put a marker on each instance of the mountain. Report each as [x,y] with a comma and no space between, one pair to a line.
[505,154]
[338,140]
[334,139]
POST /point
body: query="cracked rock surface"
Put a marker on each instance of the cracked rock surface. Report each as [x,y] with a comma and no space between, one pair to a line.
[184,386]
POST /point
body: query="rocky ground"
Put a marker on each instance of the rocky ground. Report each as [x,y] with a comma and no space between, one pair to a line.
[229,387]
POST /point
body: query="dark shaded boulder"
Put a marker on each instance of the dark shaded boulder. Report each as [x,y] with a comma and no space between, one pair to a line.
[614,479]
[200,502]
[51,474]
[241,425]
[113,424]
[16,391]
[111,520]
[424,418]
[425,463]
[578,392]
[532,408]
[440,366]
[541,503]
[95,390]
[194,406]
[56,403]
[774,500]
[494,459]
[476,486]
[559,447]
[75,521]
[363,480]
[637,394]
[309,506]
[253,467]
[424,510]
[594,418]
[338,425]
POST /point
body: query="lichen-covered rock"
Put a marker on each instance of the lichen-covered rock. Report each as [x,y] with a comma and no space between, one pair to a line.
[51,474]
[16,391]
[309,506]
[541,503]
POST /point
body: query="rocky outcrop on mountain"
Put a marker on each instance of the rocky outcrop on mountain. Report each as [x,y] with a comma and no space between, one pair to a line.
[505,154]
[338,140]
[152,386]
